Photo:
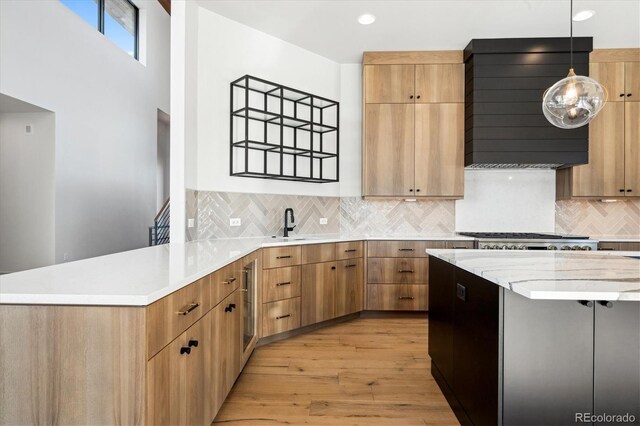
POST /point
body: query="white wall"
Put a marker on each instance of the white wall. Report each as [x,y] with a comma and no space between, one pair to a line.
[228,50]
[106,117]
[507,201]
[27,180]
[351,130]
[163,162]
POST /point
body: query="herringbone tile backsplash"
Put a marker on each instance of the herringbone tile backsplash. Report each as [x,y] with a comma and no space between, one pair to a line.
[621,218]
[263,214]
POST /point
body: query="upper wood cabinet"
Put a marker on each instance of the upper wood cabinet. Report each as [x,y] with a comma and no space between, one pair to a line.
[614,135]
[389,84]
[389,156]
[413,124]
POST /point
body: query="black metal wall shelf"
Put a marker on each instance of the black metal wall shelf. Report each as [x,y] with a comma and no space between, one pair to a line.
[282,133]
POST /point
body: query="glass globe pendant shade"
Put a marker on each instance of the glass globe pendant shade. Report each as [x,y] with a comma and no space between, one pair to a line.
[573,101]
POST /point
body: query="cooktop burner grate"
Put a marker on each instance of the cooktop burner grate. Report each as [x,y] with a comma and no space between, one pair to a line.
[521,236]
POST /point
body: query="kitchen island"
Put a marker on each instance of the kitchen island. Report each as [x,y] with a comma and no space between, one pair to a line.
[538,338]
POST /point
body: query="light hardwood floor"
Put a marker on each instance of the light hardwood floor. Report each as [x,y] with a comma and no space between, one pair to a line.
[368,371]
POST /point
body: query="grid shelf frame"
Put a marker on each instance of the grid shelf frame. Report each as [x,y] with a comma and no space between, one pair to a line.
[281,133]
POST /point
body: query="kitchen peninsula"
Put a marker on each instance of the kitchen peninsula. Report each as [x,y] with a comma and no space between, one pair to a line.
[535,337]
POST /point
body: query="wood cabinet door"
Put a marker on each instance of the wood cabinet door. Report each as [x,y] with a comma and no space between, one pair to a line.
[632,149]
[178,379]
[317,301]
[439,83]
[611,76]
[388,84]
[389,150]
[350,287]
[439,150]
[234,344]
[604,175]
[632,81]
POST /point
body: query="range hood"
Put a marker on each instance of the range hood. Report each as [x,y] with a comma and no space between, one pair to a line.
[505,80]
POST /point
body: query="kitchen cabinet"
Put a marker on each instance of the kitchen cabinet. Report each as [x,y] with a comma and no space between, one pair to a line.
[319,285]
[614,135]
[280,316]
[179,377]
[413,125]
[619,246]
[398,274]
[349,289]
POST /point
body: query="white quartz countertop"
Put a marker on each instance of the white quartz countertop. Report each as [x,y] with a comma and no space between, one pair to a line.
[554,275]
[140,277]
[616,238]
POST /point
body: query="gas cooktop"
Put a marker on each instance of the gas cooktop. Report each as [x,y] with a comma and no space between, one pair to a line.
[530,241]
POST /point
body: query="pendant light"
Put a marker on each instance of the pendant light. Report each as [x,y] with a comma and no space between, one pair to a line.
[575,100]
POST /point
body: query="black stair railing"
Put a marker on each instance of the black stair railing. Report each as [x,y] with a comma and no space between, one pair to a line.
[159,232]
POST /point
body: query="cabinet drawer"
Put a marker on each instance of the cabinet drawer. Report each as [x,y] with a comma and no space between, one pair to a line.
[349,250]
[170,316]
[280,316]
[316,253]
[406,297]
[224,281]
[397,270]
[401,248]
[280,283]
[275,257]
[460,244]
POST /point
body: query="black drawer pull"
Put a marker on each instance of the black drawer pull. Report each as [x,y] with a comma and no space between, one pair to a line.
[283,316]
[629,190]
[193,343]
[230,307]
[405,271]
[185,350]
[606,303]
[405,298]
[189,308]
[350,250]
[350,266]
[284,283]
[406,249]
[229,280]
[283,257]
[460,247]
[587,303]
[605,248]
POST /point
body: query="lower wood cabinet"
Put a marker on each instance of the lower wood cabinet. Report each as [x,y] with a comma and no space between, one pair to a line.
[619,246]
[178,377]
[319,281]
[349,287]
[280,316]
[397,297]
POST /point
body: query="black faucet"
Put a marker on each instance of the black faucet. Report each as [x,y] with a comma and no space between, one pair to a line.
[287,228]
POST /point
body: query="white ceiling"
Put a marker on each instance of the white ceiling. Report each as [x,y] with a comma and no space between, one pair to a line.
[330,28]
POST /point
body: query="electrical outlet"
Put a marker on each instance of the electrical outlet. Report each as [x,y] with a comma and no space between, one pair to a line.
[191,223]
[235,221]
[323,221]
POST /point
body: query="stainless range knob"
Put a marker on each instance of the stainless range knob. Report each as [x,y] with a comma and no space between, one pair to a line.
[565,248]
[575,247]
[494,247]
[551,247]
[586,248]
[522,247]
[512,247]
[503,247]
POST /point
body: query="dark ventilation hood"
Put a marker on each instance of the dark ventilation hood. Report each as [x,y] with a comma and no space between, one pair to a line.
[505,80]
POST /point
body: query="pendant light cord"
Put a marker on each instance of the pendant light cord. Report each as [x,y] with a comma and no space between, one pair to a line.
[571,34]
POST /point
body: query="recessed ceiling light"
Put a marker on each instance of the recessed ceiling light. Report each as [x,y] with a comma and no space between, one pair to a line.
[583,15]
[366,19]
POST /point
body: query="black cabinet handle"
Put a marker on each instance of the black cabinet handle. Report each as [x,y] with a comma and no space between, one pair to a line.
[606,303]
[628,95]
[622,95]
[460,247]
[232,305]
[411,190]
[283,257]
[185,350]
[193,343]
[628,190]
[187,309]
[350,250]
[283,316]
[406,249]
[333,268]
[411,97]
[605,248]
[353,265]
[621,190]
[284,283]
[405,271]
[587,303]
[417,190]
[405,298]
[418,96]
[230,308]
